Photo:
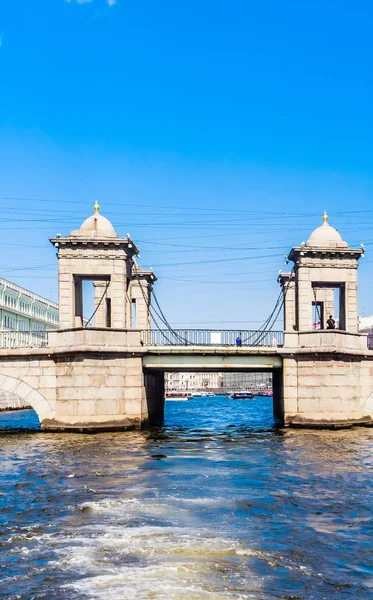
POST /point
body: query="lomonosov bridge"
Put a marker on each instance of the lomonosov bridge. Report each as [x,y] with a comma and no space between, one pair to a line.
[111,375]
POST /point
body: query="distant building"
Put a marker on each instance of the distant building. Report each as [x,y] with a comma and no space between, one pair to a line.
[23,310]
[181,382]
[366,324]
[192,381]
[24,317]
[246,381]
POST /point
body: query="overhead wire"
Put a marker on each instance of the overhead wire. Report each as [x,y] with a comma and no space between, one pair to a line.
[147,303]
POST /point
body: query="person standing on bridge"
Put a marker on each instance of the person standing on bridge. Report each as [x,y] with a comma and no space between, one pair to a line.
[238,340]
[330,324]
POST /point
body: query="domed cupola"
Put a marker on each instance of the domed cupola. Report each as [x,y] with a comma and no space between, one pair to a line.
[326,236]
[96,226]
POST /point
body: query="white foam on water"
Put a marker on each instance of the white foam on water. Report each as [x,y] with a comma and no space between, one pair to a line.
[172,562]
[130,508]
[151,563]
[204,501]
[155,583]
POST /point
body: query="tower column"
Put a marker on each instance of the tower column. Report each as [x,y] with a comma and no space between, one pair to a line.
[100,303]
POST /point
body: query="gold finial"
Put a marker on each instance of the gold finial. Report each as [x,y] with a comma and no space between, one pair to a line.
[96,207]
[325,217]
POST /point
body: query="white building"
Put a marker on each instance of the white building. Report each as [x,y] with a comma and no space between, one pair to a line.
[192,381]
[23,311]
[366,324]
[247,381]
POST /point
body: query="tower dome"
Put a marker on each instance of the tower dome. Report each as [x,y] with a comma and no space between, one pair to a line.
[326,236]
[96,226]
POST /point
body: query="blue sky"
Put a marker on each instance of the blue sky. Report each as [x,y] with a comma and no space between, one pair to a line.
[215,132]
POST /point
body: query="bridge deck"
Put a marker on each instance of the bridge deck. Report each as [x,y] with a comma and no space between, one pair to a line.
[213,358]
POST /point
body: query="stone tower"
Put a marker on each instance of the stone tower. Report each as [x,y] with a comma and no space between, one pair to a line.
[96,253]
[325,377]
[324,278]
[99,381]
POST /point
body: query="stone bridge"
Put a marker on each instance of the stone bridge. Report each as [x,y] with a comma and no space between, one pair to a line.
[111,375]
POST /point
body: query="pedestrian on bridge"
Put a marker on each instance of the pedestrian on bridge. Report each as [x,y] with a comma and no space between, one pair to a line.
[330,324]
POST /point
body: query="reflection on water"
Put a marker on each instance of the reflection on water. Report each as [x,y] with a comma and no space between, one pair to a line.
[217,504]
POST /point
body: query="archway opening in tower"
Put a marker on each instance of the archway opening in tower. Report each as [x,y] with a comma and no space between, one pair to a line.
[92,302]
[328,306]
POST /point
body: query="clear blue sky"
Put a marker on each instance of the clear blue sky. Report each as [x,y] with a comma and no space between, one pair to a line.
[215,132]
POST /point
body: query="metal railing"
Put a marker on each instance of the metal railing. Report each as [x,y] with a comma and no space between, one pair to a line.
[178,337]
[211,337]
[10,338]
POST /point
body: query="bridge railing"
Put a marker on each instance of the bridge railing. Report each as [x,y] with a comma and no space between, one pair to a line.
[23,339]
[211,337]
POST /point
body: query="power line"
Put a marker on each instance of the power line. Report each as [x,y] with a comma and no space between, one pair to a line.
[262,214]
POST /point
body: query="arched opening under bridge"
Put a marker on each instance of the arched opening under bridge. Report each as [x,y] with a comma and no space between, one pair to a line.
[21,406]
[208,395]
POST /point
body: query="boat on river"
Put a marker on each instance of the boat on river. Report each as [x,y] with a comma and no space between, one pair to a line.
[177,396]
[241,396]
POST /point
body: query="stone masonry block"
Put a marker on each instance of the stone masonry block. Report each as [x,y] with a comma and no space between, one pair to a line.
[310,381]
[116,370]
[133,362]
[76,393]
[133,393]
[32,381]
[107,407]
[134,380]
[135,372]
[291,380]
[85,408]
[290,406]
[49,394]
[9,384]
[67,407]
[115,380]
[22,390]
[308,392]
[133,408]
[309,405]
[290,393]
[47,381]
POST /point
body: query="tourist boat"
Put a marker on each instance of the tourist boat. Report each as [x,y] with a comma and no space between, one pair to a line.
[241,396]
[181,396]
[200,394]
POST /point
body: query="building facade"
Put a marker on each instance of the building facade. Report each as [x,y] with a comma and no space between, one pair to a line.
[366,326]
[25,313]
[183,382]
[247,381]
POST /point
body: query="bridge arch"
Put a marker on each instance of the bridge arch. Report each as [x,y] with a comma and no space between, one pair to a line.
[30,395]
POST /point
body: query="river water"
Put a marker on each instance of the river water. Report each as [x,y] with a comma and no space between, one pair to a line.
[216,504]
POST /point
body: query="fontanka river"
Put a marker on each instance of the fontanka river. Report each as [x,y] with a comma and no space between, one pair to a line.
[216,504]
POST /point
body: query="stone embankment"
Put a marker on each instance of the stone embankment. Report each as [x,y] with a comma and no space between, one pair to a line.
[9,401]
